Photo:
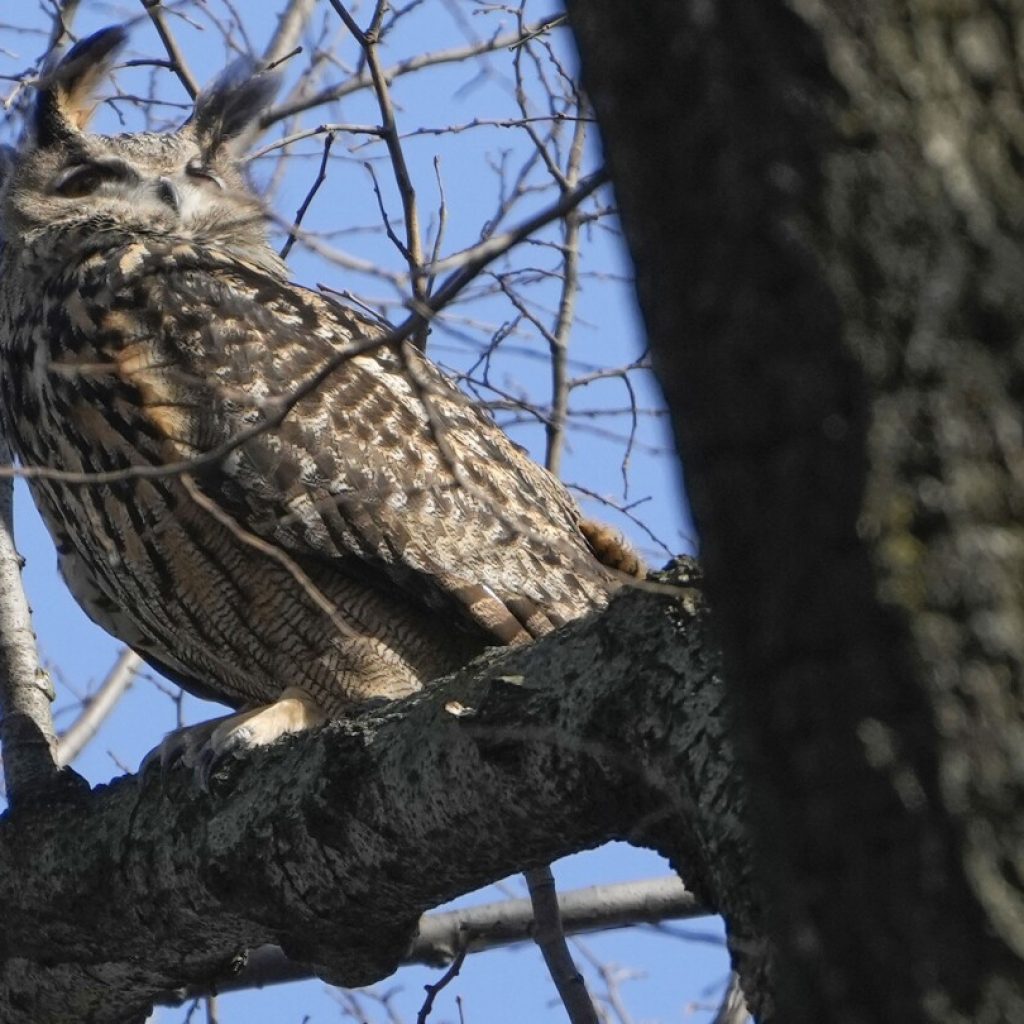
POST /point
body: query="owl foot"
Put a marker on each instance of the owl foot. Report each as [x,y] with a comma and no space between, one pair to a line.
[201,747]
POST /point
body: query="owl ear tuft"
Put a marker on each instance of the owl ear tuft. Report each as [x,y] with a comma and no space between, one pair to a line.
[226,111]
[65,101]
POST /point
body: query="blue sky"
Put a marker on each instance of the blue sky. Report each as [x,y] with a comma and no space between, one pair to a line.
[503,985]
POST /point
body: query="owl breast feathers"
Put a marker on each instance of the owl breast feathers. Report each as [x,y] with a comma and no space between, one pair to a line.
[381,533]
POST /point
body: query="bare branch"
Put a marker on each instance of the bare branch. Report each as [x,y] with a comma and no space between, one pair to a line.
[550,939]
[98,706]
[628,761]
[733,1009]
[442,221]
[492,925]
[290,24]
[63,17]
[416,63]
[558,339]
[321,177]
[26,725]
[311,133]
[179,65]
[413,248]
[433,990]
[478,256]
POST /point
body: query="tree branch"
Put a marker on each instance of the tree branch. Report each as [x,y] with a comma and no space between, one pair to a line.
[412,249]
[178,63]
[27,738]
[97,706]
[442,936]
[290,24]
[549,934]
[364,80]
[613,728]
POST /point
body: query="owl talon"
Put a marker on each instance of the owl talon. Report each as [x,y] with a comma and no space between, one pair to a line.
[204,767]
[202,747]
[180,746]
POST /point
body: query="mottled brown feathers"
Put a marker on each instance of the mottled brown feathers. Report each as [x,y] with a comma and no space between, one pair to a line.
[382,534]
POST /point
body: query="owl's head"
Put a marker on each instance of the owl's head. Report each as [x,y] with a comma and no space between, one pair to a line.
[187,183]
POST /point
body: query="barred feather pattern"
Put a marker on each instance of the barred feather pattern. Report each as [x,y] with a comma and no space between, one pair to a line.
[414,532]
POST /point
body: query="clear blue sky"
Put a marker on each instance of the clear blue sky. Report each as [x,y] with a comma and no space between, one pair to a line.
[503,986]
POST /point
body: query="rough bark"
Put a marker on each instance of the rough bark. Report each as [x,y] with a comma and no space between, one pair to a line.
[333,844]
[824,204]
[27,738]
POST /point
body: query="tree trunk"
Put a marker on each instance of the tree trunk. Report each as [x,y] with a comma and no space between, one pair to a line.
[825,208]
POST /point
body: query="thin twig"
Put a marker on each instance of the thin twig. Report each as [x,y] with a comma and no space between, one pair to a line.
[612,976]
[63,17]
[278,554]
[479,255]
[310,133]
[363,80]
[442,222]
[321,177]
[290,24]
[413,248]
[625,510]
[433,990]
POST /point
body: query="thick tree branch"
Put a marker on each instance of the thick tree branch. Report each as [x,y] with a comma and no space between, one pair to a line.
[612,729]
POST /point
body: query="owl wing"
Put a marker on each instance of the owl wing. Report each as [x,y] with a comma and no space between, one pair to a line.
[386,470]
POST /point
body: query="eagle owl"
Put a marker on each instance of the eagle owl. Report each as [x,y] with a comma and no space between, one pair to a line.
[381,533]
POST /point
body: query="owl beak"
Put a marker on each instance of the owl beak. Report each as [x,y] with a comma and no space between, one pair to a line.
[168,193]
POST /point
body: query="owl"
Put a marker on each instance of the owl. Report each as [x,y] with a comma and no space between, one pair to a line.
[293,557]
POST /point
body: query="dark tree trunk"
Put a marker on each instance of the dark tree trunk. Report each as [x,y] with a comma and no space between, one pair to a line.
[825,207]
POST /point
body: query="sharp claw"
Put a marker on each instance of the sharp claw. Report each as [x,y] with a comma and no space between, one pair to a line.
[204,766]
[179,747]
[205,747]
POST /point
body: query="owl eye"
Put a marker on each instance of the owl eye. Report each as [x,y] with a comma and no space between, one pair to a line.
[194,169]
[84,179]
